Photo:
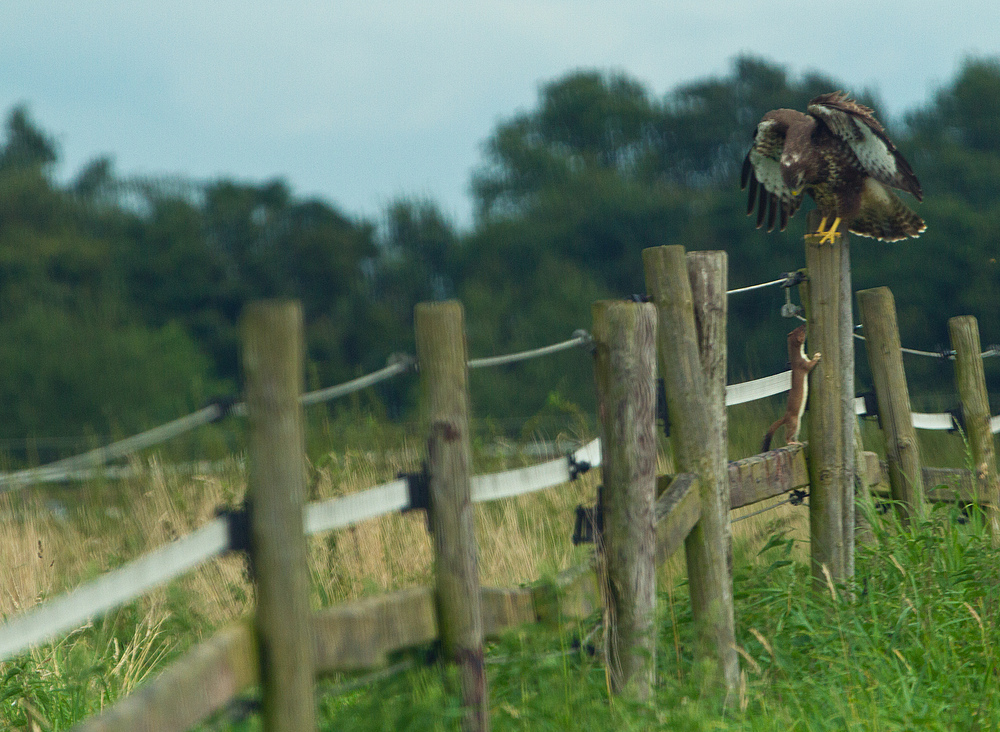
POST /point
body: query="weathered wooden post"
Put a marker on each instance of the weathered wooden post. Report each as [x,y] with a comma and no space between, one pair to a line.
[877,309]
[272,362]
[862,528]
[707,547]
[442,358]
[971,382]
[625,372]
[831,406]
[849,424]
[709,276]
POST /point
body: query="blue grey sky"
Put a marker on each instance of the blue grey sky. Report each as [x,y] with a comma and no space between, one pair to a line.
[362,102]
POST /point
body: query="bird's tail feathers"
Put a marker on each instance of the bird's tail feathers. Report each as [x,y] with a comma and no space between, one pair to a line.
[884,216]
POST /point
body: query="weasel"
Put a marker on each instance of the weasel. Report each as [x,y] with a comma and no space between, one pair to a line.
[801,366]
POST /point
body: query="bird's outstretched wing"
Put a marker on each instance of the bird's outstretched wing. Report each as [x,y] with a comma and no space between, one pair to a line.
[856,125]
[762,174]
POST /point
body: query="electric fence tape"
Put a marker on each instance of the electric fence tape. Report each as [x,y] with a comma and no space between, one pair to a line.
[211,540]
[115,588]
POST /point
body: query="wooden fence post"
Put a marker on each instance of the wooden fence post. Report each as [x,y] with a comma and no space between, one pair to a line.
[877,309]
[831,407]
[442,358]
[272,362]
[625,372]
[708,272]
[707,546]
[971,382]
[850,419]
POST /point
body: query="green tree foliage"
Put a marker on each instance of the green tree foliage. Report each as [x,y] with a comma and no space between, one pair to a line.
[110,282]
[75,359]
[600,169]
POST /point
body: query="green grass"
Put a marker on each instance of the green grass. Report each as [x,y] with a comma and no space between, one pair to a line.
[911,644]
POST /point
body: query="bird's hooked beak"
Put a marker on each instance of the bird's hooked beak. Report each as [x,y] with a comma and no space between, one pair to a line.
[793,175]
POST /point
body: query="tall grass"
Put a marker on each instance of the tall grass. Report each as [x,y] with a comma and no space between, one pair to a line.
[52,539]
[912,643]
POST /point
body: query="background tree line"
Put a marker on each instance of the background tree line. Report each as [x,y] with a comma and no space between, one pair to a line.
[120,298]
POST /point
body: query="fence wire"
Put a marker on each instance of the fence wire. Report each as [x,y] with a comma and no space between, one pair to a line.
[580,338]
[77,465]
[762,285]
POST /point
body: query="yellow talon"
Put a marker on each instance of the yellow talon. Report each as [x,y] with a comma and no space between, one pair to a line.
[830,234]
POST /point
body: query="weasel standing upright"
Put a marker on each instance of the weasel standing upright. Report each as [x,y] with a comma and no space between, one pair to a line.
[801,366]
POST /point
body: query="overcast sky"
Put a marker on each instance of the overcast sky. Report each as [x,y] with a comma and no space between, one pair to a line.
[364,101]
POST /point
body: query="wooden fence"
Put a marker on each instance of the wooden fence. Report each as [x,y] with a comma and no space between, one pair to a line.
[646,518]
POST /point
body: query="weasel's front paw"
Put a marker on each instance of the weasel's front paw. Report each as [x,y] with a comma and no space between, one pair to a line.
[817,356]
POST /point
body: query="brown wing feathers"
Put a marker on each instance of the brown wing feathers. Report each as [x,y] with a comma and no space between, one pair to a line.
[813,149]
[768,205]
[761,175]
[904,178]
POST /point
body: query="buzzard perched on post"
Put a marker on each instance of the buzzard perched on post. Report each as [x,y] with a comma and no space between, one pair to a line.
[839,154]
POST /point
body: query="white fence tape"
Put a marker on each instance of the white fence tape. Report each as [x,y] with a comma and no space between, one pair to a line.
[923,421]
[135,578]
[112,589]
[337,513]
[533,478]
[749,391]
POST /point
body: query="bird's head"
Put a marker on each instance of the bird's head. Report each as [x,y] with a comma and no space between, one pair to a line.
[794,175]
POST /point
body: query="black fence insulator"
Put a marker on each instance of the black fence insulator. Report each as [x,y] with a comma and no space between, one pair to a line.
[661,406]
[945,353]
[419,487]
[589,521]
[225,405]
[871,406]
[957,419]
[797,496]
[588,524]
[239,532]
[576,467]
[794,278]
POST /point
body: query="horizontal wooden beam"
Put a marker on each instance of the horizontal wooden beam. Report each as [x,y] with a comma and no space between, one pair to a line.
[359,635]
[573,595]
[940,484]
[950,484]
[198,684]
[505,608]
[769,474]
[678,509]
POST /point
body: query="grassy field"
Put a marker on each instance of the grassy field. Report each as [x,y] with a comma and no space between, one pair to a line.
[910,646]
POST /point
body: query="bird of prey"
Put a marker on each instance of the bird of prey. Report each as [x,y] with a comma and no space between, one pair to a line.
[840,155]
